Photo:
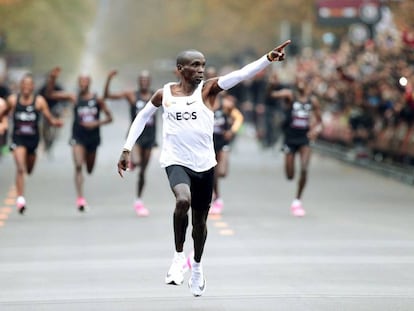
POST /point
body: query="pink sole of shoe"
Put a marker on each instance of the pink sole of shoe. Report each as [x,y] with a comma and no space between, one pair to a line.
[298,212]
[142,212]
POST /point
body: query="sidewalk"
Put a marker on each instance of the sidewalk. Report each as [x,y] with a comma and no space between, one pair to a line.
[403,173]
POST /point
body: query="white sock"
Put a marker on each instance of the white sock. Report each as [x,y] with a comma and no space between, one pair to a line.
[296,202]
[180,255]
[196,266]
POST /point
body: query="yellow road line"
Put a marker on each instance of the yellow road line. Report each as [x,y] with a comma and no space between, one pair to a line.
[9,201]
[221,224]
[226,232]
[214,216]
[6,210]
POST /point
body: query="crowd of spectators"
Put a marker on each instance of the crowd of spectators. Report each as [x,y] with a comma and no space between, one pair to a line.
[366,93]
[365,90]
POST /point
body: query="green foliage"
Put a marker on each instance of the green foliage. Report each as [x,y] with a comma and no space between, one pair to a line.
[151,29]
[134,34]
[53,31]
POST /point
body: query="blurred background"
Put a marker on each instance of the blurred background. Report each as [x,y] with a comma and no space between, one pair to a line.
[357,56]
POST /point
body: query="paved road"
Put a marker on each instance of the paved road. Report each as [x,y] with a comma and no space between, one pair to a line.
[353,251]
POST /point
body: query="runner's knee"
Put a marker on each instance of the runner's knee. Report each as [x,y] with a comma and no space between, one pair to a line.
[182,205]
[20,169]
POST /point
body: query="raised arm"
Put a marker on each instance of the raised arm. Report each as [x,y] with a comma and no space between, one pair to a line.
[119,95]
[50,88]
[233,78]
[282,94]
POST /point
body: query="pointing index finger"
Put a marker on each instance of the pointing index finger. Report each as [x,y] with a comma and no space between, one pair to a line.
[120,172]
[283,45]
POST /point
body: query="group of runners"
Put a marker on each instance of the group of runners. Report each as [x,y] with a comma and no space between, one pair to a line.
[200,121]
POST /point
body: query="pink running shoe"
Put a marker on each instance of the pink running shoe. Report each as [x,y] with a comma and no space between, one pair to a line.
[297,209]
[187,265]
[81,204]
[21,205]
[216,207]
[140,209]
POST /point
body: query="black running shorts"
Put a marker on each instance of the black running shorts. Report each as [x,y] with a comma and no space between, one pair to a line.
[89,144]
[292,147]
[30,143]
[201,183]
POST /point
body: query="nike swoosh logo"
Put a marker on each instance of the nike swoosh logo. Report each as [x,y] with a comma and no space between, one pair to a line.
[203,286]
[190,103]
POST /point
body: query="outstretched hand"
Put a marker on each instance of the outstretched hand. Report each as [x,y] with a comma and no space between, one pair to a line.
[123,162]
[57,123]
[112,73]
[55,72]
[278,53]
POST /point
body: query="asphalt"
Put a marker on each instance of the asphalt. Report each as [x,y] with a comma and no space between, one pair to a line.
[354,250]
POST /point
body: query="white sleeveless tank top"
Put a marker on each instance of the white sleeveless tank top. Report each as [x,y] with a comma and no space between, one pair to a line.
[187,131]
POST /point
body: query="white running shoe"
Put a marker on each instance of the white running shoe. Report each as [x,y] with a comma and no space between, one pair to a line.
[178,268]
[197,282]
[21,204]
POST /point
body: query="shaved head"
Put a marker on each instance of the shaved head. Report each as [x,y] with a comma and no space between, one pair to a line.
[186,56]
[144,74]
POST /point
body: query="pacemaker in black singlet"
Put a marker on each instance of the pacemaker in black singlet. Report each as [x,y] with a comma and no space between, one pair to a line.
[221,125]
[25,126]
[86,110]
[297,124]
[147,139]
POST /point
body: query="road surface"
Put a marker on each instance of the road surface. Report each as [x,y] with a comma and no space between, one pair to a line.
[354,250]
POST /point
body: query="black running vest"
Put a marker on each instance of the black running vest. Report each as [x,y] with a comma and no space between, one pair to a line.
[26,120]
[297,121]
[86,110]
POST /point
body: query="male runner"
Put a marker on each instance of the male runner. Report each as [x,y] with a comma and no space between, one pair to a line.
[302,106]
[144,144]
[49,133]
[227,122]
[86,127]
[188,151]
[25,108]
